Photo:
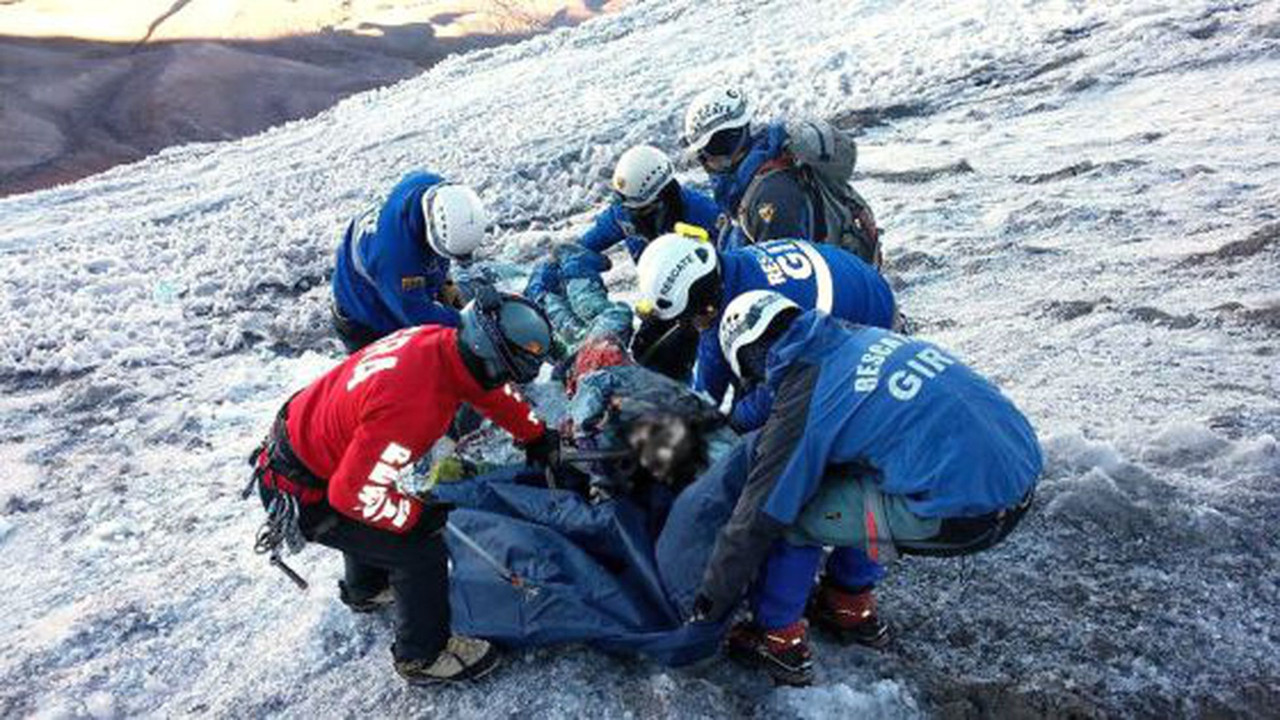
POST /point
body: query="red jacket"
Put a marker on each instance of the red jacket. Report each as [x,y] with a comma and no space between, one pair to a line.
[379,411]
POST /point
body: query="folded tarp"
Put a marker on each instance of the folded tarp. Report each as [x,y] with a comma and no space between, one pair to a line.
[592,573]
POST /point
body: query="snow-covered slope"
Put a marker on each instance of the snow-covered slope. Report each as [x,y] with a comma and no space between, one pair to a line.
[1080,198]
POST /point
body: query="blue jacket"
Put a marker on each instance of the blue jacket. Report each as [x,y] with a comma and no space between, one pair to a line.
[615,225]
[811,275]
[386,277]
[925,427]
[727,188]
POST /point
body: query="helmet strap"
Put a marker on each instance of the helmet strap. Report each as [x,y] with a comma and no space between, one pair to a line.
[754,358]
[753,361]
[486,374]
[744,142]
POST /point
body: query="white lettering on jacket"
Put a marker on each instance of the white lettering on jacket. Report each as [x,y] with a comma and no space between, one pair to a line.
[867,377]
[374,505]
[928,364]
[377,357]
[903,384]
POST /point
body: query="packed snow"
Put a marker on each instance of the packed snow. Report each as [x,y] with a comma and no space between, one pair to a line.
[1079,198]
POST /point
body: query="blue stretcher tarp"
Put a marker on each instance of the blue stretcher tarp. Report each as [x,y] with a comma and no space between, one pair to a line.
[594,573]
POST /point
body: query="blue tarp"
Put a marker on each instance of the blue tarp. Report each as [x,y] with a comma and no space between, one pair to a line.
[595,573]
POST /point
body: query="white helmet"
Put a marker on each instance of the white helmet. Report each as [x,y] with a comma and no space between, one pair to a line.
[711,111]
[641,174]
[746,318]
[456,220]
[668,269]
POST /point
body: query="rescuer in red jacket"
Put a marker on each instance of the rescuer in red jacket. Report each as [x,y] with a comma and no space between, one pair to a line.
[329,468]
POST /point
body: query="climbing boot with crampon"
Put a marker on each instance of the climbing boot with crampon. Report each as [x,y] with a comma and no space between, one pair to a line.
[849,615]
[462,658]
[783,653]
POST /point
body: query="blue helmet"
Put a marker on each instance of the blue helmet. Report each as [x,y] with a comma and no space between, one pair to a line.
[509,336]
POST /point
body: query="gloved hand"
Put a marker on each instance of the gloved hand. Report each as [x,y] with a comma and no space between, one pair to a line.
[544,452]
[544,279]
[435,515]
[597,494]
[454,469]
[449,294]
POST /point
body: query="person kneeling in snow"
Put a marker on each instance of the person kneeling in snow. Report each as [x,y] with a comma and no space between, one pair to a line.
[877,444]
[329,469]
[393,266]
[648,201]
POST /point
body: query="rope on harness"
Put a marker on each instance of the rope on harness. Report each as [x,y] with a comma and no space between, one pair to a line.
[280,530]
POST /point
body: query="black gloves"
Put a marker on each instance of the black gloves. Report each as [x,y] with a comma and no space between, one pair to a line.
[434,516]
[545,451]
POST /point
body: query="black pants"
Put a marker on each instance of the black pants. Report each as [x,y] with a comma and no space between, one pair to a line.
[354,335]
[965,536]
[415,565]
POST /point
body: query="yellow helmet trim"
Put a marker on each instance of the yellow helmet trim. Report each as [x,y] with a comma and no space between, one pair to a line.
[692,231]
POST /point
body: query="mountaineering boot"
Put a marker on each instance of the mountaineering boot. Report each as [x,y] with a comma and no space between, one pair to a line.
[362,604]
[462,658]
[783,653]
[849,615]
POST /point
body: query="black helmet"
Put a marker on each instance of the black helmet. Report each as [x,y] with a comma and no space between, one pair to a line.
[774,207]
[506,337]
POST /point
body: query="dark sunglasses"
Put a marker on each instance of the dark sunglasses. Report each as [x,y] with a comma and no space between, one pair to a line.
[635,208]
[722,145]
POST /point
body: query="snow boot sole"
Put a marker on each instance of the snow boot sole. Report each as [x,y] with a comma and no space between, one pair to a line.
[781,674]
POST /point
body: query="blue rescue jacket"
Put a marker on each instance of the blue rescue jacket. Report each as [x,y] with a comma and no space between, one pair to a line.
[812,276]
[902,411]
[386,277]
[614,224]
[935,431]
[728,188]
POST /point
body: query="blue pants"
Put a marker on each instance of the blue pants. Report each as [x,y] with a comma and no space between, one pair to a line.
[782,587]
